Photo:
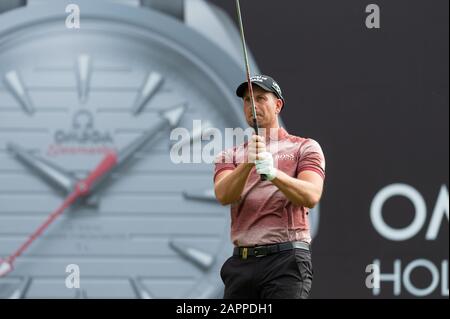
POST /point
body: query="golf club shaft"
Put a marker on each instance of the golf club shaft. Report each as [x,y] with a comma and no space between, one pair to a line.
[247,68]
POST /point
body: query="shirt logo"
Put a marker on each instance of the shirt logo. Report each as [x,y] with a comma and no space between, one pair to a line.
[285,157]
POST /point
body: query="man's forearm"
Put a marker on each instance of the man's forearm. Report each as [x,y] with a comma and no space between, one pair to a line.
[229,189]
[300,193]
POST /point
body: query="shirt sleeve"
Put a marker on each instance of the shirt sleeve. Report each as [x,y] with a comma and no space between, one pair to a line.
[224,161]
[311,158]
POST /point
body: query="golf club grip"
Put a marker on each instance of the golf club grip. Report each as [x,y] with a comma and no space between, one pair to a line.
[256,128]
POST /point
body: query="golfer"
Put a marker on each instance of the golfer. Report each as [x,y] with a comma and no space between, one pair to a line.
[269,216]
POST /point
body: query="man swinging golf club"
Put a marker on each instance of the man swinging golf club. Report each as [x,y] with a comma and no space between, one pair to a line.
[269,218]
[270,182]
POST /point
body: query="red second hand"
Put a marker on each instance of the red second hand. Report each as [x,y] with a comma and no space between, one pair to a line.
[81,189]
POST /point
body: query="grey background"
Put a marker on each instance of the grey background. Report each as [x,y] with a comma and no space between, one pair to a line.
[134,244]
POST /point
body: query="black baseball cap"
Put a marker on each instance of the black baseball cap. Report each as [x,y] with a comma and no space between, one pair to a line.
[263,81]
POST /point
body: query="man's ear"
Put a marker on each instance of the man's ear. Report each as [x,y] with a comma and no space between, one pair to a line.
[279,106]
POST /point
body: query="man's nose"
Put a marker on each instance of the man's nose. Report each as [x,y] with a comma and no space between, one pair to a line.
[249,106]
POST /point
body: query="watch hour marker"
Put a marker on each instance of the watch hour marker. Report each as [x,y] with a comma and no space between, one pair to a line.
[195,256]
[21,291]
[203,195]
[17,89]
[173,115]
[151,85]
[139,289]
[84,71]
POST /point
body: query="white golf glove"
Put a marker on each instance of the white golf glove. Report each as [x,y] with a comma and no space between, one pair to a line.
[265,165]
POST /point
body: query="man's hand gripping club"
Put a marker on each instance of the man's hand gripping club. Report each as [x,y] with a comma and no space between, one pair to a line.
[263,160]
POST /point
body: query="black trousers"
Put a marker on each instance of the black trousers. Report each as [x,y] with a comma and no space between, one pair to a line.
[284,275]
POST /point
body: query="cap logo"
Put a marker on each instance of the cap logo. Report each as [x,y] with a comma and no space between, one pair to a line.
[276,87]
[258,78]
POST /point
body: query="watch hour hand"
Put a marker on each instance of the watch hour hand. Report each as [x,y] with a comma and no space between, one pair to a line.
[56,176]
[170,117]
[52,174]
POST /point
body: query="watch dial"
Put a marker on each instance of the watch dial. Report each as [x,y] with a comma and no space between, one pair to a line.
[69,96]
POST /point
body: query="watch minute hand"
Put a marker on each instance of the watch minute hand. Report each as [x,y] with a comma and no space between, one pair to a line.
[51,173]
[170,117]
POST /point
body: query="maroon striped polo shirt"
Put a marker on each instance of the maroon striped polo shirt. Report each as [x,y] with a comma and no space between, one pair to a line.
[263,215]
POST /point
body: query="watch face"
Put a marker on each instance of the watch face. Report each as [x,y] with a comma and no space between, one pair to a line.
[67,97]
